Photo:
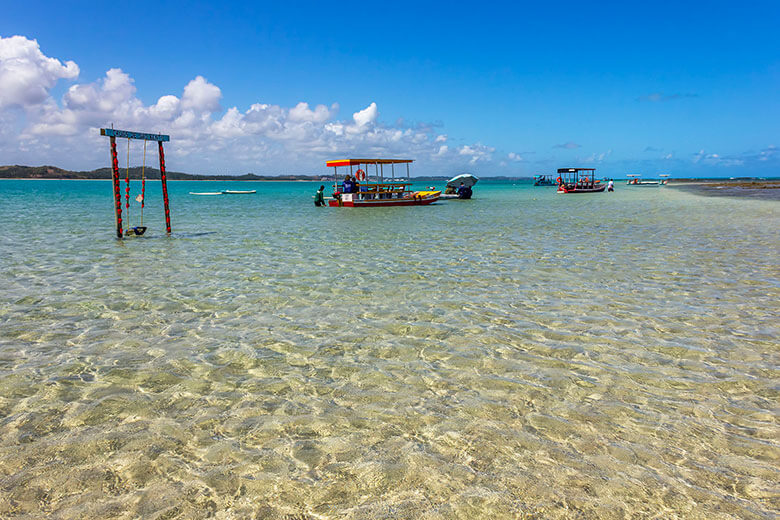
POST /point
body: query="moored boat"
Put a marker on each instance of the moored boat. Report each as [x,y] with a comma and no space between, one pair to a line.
[634,179]
[579,180]
[454,190]
[238,192]
[544,180]
[369,191]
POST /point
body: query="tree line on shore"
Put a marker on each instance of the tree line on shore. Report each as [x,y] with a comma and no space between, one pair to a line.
[53,172]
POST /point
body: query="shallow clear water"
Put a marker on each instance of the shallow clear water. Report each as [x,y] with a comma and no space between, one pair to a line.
[523,354]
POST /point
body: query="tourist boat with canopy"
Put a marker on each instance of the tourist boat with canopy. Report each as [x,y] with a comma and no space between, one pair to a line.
[372,189]
[544,180]
[579,180]
[635,179]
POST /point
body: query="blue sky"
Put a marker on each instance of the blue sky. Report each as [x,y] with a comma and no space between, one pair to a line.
[498,89]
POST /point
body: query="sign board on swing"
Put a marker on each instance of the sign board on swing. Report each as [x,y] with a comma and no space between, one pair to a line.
[110,132]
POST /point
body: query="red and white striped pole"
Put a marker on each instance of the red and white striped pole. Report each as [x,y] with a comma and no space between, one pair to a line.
[117,189]
[164,187]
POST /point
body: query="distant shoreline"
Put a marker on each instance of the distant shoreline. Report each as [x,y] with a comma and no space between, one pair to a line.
[742,188]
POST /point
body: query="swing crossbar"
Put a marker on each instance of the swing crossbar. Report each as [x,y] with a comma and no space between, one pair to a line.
[110,132]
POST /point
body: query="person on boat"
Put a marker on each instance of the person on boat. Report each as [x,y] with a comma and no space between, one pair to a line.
[464,192]
[610,185]
[348,186]
[319,198]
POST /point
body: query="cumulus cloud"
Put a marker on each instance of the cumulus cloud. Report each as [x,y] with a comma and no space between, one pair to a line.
[514,156]
[476,153]
[26,74]
[201,96]
[203,136]
[366,116]
[715,159]
[568,146]
[320,114]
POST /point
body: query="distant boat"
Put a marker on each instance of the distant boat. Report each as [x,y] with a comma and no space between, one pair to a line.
[544,180]
[238,192]
[579,180]
[635,180]
[451,191]
[205,193]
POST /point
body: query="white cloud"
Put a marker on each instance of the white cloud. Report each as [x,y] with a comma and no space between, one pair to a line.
[302,112]
[442,151]
[714,159]
[597,157]
[263,137]
[477,152]
[167,107]
[26,74]
[201,96]
[366,116]
[514,156]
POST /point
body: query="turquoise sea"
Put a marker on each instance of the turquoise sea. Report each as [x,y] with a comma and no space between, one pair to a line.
[520,355]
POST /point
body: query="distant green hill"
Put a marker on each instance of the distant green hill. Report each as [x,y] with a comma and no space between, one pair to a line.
[52,172]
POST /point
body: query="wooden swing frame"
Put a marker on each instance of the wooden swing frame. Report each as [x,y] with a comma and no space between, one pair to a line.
[160,138]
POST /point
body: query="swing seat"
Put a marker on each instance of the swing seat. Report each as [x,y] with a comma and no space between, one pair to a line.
[135,231]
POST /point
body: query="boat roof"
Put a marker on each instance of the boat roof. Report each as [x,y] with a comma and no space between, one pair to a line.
[466,178]
[633,175]
[572,170]
[350,162]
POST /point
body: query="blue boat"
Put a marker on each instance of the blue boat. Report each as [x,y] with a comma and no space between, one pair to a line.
[544,180]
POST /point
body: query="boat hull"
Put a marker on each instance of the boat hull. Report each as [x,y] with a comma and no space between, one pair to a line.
[349,201]
[595,189]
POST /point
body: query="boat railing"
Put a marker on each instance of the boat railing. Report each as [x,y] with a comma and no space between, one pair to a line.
[379,190]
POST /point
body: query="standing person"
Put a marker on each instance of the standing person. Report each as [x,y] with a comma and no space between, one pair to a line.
[461,190]
[319,198]
[610,185]
[347,186]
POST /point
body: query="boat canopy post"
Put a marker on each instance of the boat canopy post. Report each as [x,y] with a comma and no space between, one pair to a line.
[160,138]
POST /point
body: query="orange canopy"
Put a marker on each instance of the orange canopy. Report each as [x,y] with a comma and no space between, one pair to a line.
[350,162]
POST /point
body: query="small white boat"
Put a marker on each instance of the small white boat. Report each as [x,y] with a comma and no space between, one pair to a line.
[205,193]
[238,192]
[634,179]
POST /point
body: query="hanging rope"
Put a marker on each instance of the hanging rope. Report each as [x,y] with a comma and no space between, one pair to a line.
[143,185]
[127,184]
